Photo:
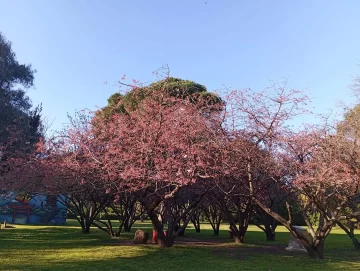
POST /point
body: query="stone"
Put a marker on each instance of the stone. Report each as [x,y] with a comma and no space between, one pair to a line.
[294,244]
[141,237]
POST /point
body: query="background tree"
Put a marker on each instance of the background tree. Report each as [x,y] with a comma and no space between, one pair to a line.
[349,128]
[275,200]
[175,87]
[212,210]
[20,125]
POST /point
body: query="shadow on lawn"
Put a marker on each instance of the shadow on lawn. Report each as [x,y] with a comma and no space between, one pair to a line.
[195,251]
[69,237]
[193,258]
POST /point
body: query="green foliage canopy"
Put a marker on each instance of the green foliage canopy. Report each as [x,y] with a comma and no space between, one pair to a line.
[174,86]
[20,125]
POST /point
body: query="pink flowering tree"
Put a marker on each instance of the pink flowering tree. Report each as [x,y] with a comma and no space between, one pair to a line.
[323,175]
[316,167]
[256,123]
[161,147]
[61,165]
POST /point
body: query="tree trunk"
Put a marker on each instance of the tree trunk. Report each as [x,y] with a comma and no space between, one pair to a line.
[316,252]
[196,222]
[240,233]
[238,239]
[350,233]
[214,216]
[163,240]
[85,228]
[182,232]
[118,232]
[85,225]
[237,235]
[127,227]
[270,235]
[320,249]
[356,243]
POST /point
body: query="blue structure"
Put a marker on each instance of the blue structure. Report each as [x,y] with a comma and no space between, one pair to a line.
[27,208]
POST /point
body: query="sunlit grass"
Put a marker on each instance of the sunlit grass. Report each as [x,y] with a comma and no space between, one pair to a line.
[66,248]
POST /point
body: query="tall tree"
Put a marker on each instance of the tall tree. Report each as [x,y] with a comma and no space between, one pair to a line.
[20,125]
[175,87]
[350,129]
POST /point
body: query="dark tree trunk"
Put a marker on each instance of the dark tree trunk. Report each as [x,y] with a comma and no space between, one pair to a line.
[356,243]
[270,235]
[216,228]
[85,224]
[239,218]
[196,222]
[266,223]
[127,226]
[118,232]
[269,229]
[315,252]
[85,228]
[350,233]
[320,250]
[163,240]
[238,233]
[238,238]
[182,232]
[214,215]
[178,229]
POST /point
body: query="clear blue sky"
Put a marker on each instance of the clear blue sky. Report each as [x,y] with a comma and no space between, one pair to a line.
[78,45]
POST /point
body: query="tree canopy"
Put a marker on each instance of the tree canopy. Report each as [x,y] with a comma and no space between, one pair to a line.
[175,87]
[20,124]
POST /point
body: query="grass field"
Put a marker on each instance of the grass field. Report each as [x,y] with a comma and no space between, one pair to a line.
[66,248]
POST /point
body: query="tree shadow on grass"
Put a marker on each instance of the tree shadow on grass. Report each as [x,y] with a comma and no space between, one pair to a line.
[66,248]
[187,258]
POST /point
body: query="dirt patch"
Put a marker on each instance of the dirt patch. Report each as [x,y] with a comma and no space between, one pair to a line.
[200,242]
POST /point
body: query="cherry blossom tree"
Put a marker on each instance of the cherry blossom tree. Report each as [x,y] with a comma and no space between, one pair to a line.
[316,167]
[260,121]
[158,149]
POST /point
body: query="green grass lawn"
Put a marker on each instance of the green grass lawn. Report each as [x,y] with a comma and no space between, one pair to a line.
[66,248]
